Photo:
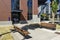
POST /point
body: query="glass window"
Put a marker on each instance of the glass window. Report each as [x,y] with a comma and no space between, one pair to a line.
[29,3]
[15,4]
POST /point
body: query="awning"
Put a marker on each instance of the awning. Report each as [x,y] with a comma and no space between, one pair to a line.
[16,10]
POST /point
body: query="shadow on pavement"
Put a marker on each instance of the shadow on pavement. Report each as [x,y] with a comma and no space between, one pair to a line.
[31,26]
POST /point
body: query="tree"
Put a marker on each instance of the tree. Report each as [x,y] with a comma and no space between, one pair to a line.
[54,6]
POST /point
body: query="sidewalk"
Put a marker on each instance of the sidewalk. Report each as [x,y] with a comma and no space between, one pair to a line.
[36,33]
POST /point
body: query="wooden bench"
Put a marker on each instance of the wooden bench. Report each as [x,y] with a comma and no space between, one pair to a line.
[23,32]
[48,25]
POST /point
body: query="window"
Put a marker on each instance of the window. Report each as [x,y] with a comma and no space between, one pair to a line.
[15,4]
[29,3]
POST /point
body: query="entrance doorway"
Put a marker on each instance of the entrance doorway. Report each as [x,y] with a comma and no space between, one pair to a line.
[15,17]
[15,11]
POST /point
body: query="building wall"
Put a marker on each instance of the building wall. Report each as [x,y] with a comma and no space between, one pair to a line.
[5,9]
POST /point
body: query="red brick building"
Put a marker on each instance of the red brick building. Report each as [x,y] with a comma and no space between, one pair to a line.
[6,11]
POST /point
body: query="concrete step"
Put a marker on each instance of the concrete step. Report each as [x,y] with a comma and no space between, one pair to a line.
[5,22]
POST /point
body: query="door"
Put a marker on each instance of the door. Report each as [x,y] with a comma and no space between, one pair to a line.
[15,17]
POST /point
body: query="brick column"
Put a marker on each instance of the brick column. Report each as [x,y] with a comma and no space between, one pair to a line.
[35,7]
[23,6]
[35,11]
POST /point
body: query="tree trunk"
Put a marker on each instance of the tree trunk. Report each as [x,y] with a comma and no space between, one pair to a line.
[53,17]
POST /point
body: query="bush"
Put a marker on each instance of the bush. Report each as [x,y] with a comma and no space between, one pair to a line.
[44,16]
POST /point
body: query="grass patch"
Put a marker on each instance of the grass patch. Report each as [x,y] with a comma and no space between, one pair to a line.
[7,37]
[4,29]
